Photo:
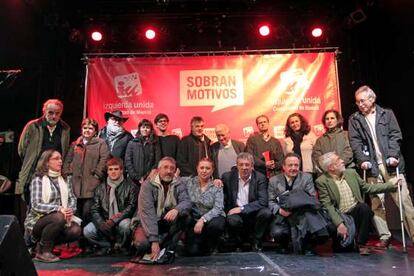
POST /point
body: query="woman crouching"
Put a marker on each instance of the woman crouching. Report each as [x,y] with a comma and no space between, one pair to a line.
[51,219]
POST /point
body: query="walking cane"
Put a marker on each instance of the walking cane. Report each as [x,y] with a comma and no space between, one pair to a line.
[401,212]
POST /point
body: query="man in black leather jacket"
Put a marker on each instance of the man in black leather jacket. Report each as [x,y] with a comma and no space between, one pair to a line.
[115,202]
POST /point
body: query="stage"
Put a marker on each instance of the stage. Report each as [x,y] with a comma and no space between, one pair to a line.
[382,262]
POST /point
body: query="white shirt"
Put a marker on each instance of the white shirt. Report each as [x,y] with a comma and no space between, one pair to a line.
[370,118]
[243,192]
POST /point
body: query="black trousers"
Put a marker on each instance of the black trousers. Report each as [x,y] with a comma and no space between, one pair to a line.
[169,234]
[199,244]
[362,215]
[83,210]
[52,229]
[253,225]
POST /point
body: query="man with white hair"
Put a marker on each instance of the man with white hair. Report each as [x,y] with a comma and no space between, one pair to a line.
[224,152]
[375,138]
[39,135]
[341,190]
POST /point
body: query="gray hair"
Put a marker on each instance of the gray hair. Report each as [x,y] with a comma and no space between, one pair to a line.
[54,102]
[245,156]
[368,90]
[169,159]
[326,160]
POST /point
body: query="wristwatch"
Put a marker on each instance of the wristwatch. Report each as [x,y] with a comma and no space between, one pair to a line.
[241,208]
[204,219]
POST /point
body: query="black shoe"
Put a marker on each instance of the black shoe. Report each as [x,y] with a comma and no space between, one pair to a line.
[308,252]
[102,251]
[257,247]
[136,259]
[167,258]
[282,250]
[88,250]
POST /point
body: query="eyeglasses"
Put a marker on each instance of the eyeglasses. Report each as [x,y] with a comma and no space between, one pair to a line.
[56,158]
[162,121]
[361,101]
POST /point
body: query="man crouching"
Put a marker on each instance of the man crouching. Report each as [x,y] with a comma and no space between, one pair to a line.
[163,212]
[115,202]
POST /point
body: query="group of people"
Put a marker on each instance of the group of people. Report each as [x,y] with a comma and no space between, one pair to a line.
[144,194]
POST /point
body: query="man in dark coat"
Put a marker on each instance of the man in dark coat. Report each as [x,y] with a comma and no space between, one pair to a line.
[245,202]
[193,147]
[114,133]
[375,138]
[284,185]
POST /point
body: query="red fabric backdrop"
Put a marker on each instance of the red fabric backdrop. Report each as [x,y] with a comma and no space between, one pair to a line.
[222,89]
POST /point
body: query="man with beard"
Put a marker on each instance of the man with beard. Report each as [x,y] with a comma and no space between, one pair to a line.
[341,191]
[114,133]
[39,135]
[163,213]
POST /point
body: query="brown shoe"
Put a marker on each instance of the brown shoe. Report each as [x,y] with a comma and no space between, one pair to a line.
[383,244]
[46,257]
[364,250]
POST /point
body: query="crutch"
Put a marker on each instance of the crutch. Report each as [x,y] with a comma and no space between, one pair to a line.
[401,212]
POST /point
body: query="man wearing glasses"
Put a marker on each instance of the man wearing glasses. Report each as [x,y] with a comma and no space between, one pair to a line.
[375,138]
[168,142]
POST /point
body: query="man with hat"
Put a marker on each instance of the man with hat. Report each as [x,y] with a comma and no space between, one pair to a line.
[114,133]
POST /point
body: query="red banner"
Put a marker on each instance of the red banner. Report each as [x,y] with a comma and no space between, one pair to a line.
[222,89]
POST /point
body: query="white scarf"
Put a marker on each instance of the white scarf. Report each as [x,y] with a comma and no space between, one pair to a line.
[64,192]
[47,188]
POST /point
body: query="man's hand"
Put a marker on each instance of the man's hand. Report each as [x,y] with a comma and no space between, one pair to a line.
[198,228]
[342,231]
[177,173]
[106,227]
[270,164]
[284,213]
[234,211]
[171,215]
[393,162]
[366,165]
[396,181]
[218,183]
[155,250]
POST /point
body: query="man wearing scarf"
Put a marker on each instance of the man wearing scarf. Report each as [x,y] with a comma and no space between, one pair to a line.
[163,211]
[114,133]
[115,202]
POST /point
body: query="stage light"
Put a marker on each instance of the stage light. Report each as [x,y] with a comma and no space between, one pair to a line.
[264,30]
[150,34]
[96,36]
[317,32]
